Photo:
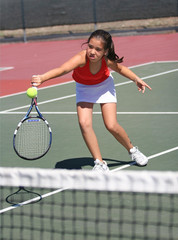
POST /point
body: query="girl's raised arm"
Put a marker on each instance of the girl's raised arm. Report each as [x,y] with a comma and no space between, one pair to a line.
[76,61]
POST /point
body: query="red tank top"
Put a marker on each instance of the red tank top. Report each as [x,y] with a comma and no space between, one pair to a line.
[84,76]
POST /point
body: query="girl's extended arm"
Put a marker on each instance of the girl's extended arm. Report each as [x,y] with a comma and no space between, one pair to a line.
[67,67]
[124,71]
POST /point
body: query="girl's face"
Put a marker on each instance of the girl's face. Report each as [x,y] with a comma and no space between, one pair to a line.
[95,49]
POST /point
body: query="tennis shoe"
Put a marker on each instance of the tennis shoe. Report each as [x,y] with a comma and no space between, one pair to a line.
[100,166]
[138,157]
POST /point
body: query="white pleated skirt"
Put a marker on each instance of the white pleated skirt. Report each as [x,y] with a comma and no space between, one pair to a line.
[103,92]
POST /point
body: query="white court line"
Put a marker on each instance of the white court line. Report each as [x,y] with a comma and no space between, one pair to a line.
[147,77]
[5,68]
[73,95]
[41,88]
[169,61]
[150,157]
[162,73]
[40,103]
[95,113]
[142,64]
[139,65]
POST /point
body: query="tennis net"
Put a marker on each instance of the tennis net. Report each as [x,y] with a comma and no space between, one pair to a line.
[86,205]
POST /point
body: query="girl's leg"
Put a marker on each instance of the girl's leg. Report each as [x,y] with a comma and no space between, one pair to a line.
[110,121]
[85,111]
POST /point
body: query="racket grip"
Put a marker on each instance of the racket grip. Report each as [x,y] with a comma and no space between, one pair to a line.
[34,84]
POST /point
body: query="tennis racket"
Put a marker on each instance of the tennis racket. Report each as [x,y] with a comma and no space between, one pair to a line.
[33,137]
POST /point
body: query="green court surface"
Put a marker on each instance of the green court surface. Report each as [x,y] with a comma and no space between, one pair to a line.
[150,120]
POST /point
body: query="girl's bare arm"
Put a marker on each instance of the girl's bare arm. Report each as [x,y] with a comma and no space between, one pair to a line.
[76,61]
[126,72]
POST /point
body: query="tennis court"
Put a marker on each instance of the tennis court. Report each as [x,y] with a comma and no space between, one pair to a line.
[151,121]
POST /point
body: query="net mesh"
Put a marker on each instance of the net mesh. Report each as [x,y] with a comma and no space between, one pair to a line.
[89,205]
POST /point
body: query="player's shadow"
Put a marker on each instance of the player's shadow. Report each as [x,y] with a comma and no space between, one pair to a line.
[79,163]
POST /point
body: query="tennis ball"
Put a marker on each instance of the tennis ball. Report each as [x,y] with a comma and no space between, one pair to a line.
[32,92]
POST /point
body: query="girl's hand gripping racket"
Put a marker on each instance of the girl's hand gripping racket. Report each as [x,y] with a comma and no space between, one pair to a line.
[32,137]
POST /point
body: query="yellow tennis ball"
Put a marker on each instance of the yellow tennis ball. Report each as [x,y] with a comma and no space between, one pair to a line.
[32,92]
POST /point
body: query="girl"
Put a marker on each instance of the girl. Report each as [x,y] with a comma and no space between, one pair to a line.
[94,84]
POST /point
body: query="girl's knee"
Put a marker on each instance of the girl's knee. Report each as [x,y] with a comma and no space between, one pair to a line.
[111,126]
[85,124]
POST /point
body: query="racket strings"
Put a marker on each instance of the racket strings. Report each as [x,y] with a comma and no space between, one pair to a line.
[33,138]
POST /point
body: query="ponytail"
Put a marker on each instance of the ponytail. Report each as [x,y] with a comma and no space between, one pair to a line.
[111,53]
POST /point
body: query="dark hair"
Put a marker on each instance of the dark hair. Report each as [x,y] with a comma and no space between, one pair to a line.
[108,44]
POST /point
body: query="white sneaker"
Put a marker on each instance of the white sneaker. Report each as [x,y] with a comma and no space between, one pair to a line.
[138,157]
[100,166]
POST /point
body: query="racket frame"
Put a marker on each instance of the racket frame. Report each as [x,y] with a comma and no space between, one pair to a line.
[27,116]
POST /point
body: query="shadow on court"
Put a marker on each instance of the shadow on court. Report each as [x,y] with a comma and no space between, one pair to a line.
[79,163]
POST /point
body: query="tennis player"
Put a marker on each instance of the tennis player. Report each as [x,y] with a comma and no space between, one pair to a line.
[94,84]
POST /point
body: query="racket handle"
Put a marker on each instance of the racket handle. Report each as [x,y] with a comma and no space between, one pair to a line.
[34,84]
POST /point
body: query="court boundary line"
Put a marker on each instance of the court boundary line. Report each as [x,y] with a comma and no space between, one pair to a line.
[72,81]
[63,189]
[73,95]
[96,113]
